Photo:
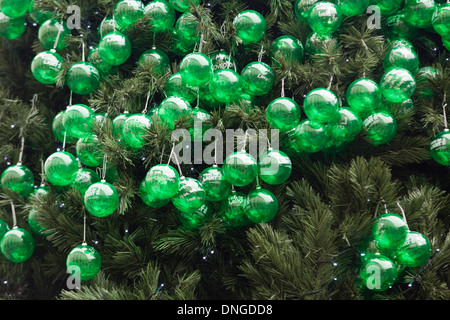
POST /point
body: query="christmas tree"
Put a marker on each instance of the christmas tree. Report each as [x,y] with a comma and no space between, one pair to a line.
[224,150]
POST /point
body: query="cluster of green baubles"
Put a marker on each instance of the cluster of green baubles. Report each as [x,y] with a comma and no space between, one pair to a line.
[391,247]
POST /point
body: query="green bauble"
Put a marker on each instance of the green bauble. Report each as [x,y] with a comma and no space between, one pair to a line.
[17,178]
[378,273]
[88,151]
[363,96]
[195,220]
[315,43]
[440,148]
[46,66]
[380,127]
[183,5]
[419,13]
[415,251]
[48,34]
[117,124]
[163,181]
[324,17]
[441,20]
[35,226]
[155,60]
[225,85]
[302,7]
[176,88]
[41,191]
[346,127]
[12,28]
[309,137]
[17,245]
[161,15]
[134,129]
[232,210]
[39,15]
[180,46]
[387,7]
[128,12]
[283,114]
[206,98]
[240,168]
[401,57]
[114,48]
[250,26]
[84,261]
[84,178]
[83,78]
[201,122]
[101,199]
[350,8]
[78,120]
[397,85]
[147,197]
[60,168]
[15,8]
[389,231]
[261,206]
[186,28]
[4,228]
[286,49]
[397,28]
[196,69]
[172,109]
[258,78]
[223,60]
[321,105]
[103,68]
[191,195]
[215,184]
[59,130]
[274,167]
[107,25]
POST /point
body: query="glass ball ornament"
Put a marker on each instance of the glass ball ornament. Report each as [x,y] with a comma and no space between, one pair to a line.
[225,85]
[12,28]
[147,196]
[350,8]
[78,120]
[258,78]
[380,127]
[286,49]
[364,96]
[232,210]
[222,59]
[346,127]
[274,167]
[301,8]
[196,69]
[101,199]
[191,195]
[15,8]
[4,228]
[163,181]
[183,5]
[84,178]
[283,114]
[39,15]
[107,25]
[206,99]
[85,261]
[419,13]
[103,68]
[128,12]
[387,7]
[60,168]
[46,66]
[396,27]
[261,206]
[17,178]
[324,17]
[402,57]
[155,60]
[200,121]
[415,251]
[117,124]
[440,20]
[17,245]
[134,129]
[249,26]
[389,231]
[34,223]
[161,15]
[48,34]
[175,87]
[88,151]
[397,84]
[185,28]
[114,48]
[321,105]
[41,191]
[83,78]
[440,148]
[315,43]
[198,218]
[378,273]
[58,129]
[240,168]
[309,137]
[172,109]
[216,186]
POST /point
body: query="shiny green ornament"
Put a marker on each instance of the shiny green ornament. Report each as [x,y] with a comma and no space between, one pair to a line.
[201,122]
[324,17]
[419,13]
[17,245]
[232,210]
[380,127]
[41,191]
[101,199]
[163,181]
[191,195]
[39,15]
[207,100]
[107,25]
[258,78]
[128,12]
[4,228]
[84,178]
[315,43]
[369,249]
[183,5]
[397,85]
[134,129]
[302,7]
[161,15]
[401,108]
[440,148]
[215,184]
[222,60]
[387,7]
[181,46]
[114,48]
[250,26]
[186,28]
[35,226]
[440,20]
[88,151]
[117,124]
[196,69]
[274,167]
[198,218]
[155,60]
[60,168]
[350,8]
[287,49]
[240,168]
[83,78]
[321,105]
[309,136]
[12,28]
[84,261]
[17,178]
[176,88]
[147,197]
[389,231]
[283,114]
[401,57]
[364,96]
[396,27]
[172,109]
[225,85]
[346,127]
[58,129]
[378,273]
[261,206]
[46,66]
[48,34]
[103,68]
[15,8]
[415,251]
[78,120]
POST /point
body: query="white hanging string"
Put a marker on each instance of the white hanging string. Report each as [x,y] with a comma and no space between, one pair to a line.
[146,103]
[282,88]
[57,37]
[105,160]
[84,230]
[22,147]
[403,213]
[261,53]
[13,210]
[176,159]
[444,105]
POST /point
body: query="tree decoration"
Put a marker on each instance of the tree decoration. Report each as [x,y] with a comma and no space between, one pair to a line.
[128,12]
[274,167]
[324,17]
[440,20]
[84,178]
[321,105]
[378,273]
[52,34]
[176,88]
[88,151]
[261,206]
[60,168]
[250,26]
[85,260]
[414,251]
[78,120]
[309,136]
[134,129]
[83,78]
[283,114]
[287,49]
[162,181]
[397,84]
[240,168]
[18,178]
[301,8]
[225,85]
[232,210]
[196,219]
[419,12]
[15,8]
[46,66]
[101,199]
[183,5]
[191,195]
[156,59]
[345,128]
[196,69]
[389,231]
[146,195]
[173,109]
[215,184]
[258,78]
[364,96]
[380,127]
[105,69]
[402,56]
[223,59]
[12,28]
[117,124]
[351,8]
[161,15]
[114,48]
